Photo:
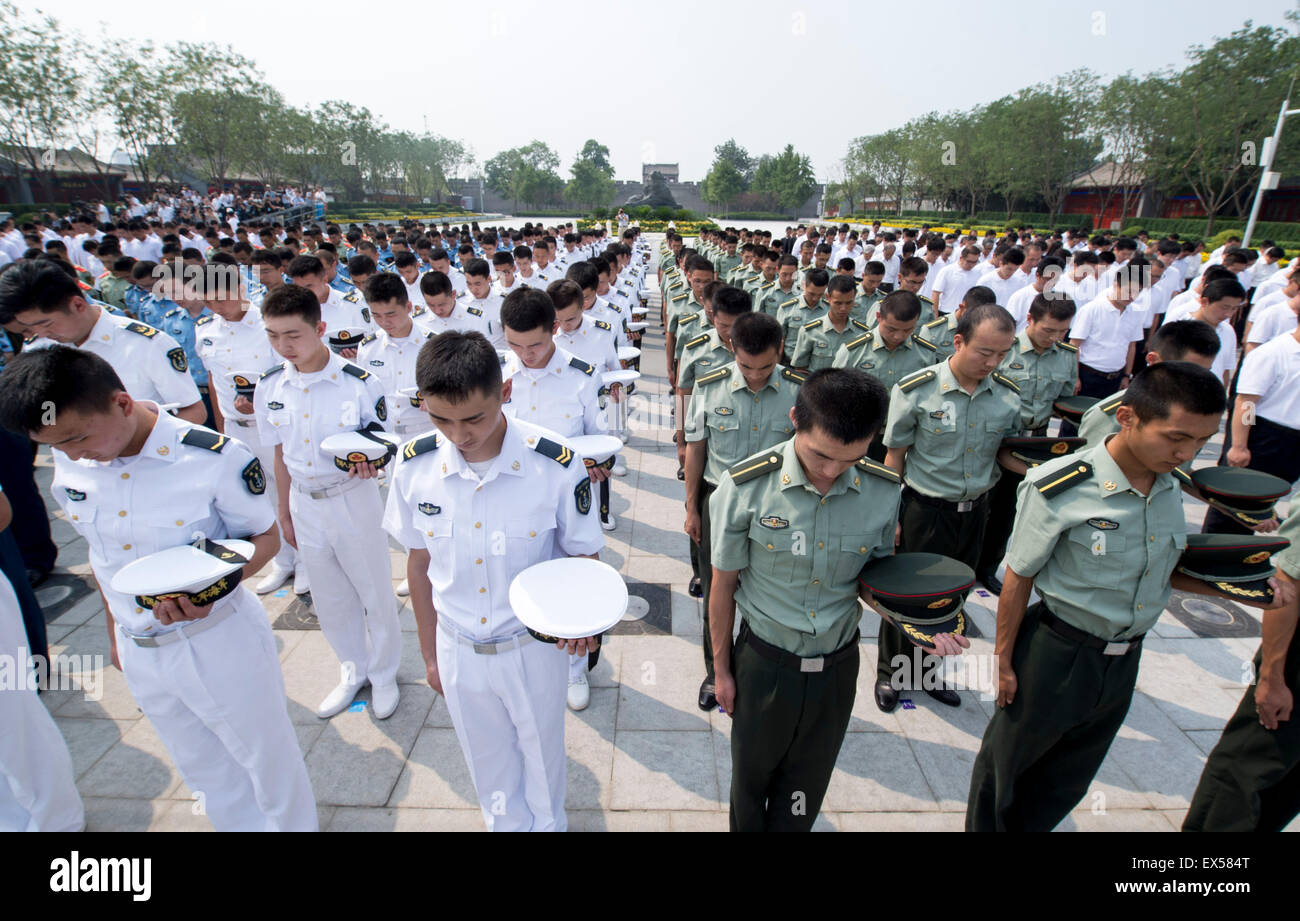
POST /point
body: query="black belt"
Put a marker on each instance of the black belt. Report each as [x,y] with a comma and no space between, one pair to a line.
[960,505]
[1108,375]
[792,661]
[1083,638]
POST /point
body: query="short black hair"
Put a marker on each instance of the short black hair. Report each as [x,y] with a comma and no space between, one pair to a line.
[840,284]
[292,301]
[385,286]
[1058,308]
[818,278]
[1223,287]
[901,305]
[455,365]
[846,403]
[403,259]
[434,283]
[584,275]
[304,265]
[1174,341]
[972,317]
[35,284]
[1158,388]
[564,294]
[731,301]
[362,265]
[697,263]
[978,295]
[478,268]
[527,309]
[874,267]
[58,378]
[755,333]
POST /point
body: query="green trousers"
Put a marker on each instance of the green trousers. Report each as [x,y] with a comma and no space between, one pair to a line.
[1251,780]
[1041,752]
[706,568]
[786,733]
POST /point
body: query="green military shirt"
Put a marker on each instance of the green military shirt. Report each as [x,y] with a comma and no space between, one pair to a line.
[736,421]
[1042,379]
[723,264]
[772,298]
[939,332]
[1099,420]
[819,342]
[889,366]
[798,552]
[953,435]
[682,304]
[1289,559]
[741,274]
[872,317]
[112,290]
[794,317]
[864,305]
[690,328]
[1100,553]
[701,355]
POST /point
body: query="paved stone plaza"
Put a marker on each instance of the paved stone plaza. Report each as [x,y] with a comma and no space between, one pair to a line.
[642,756]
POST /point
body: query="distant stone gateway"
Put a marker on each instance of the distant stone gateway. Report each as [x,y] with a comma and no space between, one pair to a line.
[655,194]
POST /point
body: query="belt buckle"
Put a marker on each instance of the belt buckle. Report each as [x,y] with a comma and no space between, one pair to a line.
[965,505]
[812,665]
[485,649]
[1117,649]
[149,642]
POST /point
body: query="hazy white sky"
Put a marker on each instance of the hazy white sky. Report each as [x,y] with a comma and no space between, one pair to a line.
[661,81]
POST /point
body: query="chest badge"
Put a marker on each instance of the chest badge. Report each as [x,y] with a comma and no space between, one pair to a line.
[275,404]
[428,508]
[1018,366]
[1103,524]
[376,363]
[773,522]
[723,410]
[76,495]
[937,414]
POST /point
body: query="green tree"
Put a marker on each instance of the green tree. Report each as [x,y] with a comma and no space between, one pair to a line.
[786,179]
[1121,118]
[722,185]
[731,152]
[593,177]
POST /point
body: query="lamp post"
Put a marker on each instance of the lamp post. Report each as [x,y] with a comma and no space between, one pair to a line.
[1268,180]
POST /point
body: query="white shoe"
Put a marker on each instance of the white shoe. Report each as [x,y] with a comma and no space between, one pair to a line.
[300,584]
[611,524]
[579,693]
[620,466]
[383,697]
[338,700]
[276,577]
[404,589]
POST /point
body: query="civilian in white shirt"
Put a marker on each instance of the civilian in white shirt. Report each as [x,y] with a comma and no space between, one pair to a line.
[1265,302]
[1278,320]
[955,280]
[1001,280]
[1047,273]
[1219,303]
[933,255]
[1187,303]
[889,257]
[1106,333]
[1080,279]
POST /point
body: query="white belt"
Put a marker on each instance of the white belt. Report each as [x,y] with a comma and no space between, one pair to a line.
[189,629]
[324,491]
[518,641]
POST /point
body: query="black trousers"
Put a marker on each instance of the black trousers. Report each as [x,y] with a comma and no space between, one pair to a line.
[931,526]
[1251,780]
[31,522]
[1091,384]
[786,733]
[1274,449]
[1002,518]
[1041,751]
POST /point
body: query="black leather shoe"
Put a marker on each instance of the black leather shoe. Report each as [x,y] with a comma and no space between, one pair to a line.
[990,581]
[681,473]
[886,697]
[696,588]
[945,696]
[707,700]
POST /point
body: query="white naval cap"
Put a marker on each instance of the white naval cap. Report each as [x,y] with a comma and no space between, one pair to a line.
[568,598]
[205,571]
[352,448]
[596,450]
[628,352]
[349,337]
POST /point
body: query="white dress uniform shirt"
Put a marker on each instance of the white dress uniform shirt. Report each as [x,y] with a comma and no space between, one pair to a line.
[298,411]
[215,698]
[931,275]
[461,319]
[229,348]
[392,360]
[501,292]
[547,275]
[615,315]
[1275,320]
[457,279]
[1273,372]
[563,396]
[533,281]
[593,342]
[489,309]
[341,311]
[150,363]
[1106,333]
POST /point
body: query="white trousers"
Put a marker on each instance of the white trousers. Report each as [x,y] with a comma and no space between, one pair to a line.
[342,542]
[38,790]
[217,702]
[508,710]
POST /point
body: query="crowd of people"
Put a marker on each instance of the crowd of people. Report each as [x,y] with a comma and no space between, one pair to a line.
[841,399]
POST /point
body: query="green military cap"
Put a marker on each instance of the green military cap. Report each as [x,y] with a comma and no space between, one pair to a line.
[1245,495]
[1072,409]
[1237,564]
[1033,451]
[923,593]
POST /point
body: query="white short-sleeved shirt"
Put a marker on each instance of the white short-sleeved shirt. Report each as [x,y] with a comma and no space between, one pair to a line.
[490,309]
[1226,361]
[392,360]
[162,497]
[532,504]
[1277,319]
[562,397]
[952,284]
[234,348]
[593,342]
[1018,306]
[1106,333]
[931,275]
[1272,372]
[460,320]
[341,311]
[1002,288]
[298,411]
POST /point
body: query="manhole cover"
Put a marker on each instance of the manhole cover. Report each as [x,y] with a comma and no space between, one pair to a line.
[649,610]
[637,608]
[50,595]
[1210,617]
[1208,611]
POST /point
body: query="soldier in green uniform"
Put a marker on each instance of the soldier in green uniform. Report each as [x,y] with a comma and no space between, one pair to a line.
[711,349]
[1045,368]
[1251,780]
[738,275]
[939,332]
[911,277]
[869,295]
[728,259]
[1098,534]
[1182,340]
[784,291]
[802,310]
[821,339]
[737,410]
[944,434]
[792,528]
[766,279]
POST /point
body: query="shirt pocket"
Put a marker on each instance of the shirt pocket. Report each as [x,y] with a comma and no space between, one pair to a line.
[993,434]
[854,549]
[1097,552]
[525,536]
[181,523]
[437,532]
[83,516]
[724,432]
[771,551]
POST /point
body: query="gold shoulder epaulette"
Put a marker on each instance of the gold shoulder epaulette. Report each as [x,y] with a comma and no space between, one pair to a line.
[681,297]
[1068,347]
[936,322]
[791,374]
[421,445]
[880,470]
[854,343]
[912,381]
[789,303]
[202,438]
[712,376]
[924,343]
[1005,381]
[698,340]
[753,467]
[142,329]
[860,325]
[814,324]
[1071,476]
[1112,404]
